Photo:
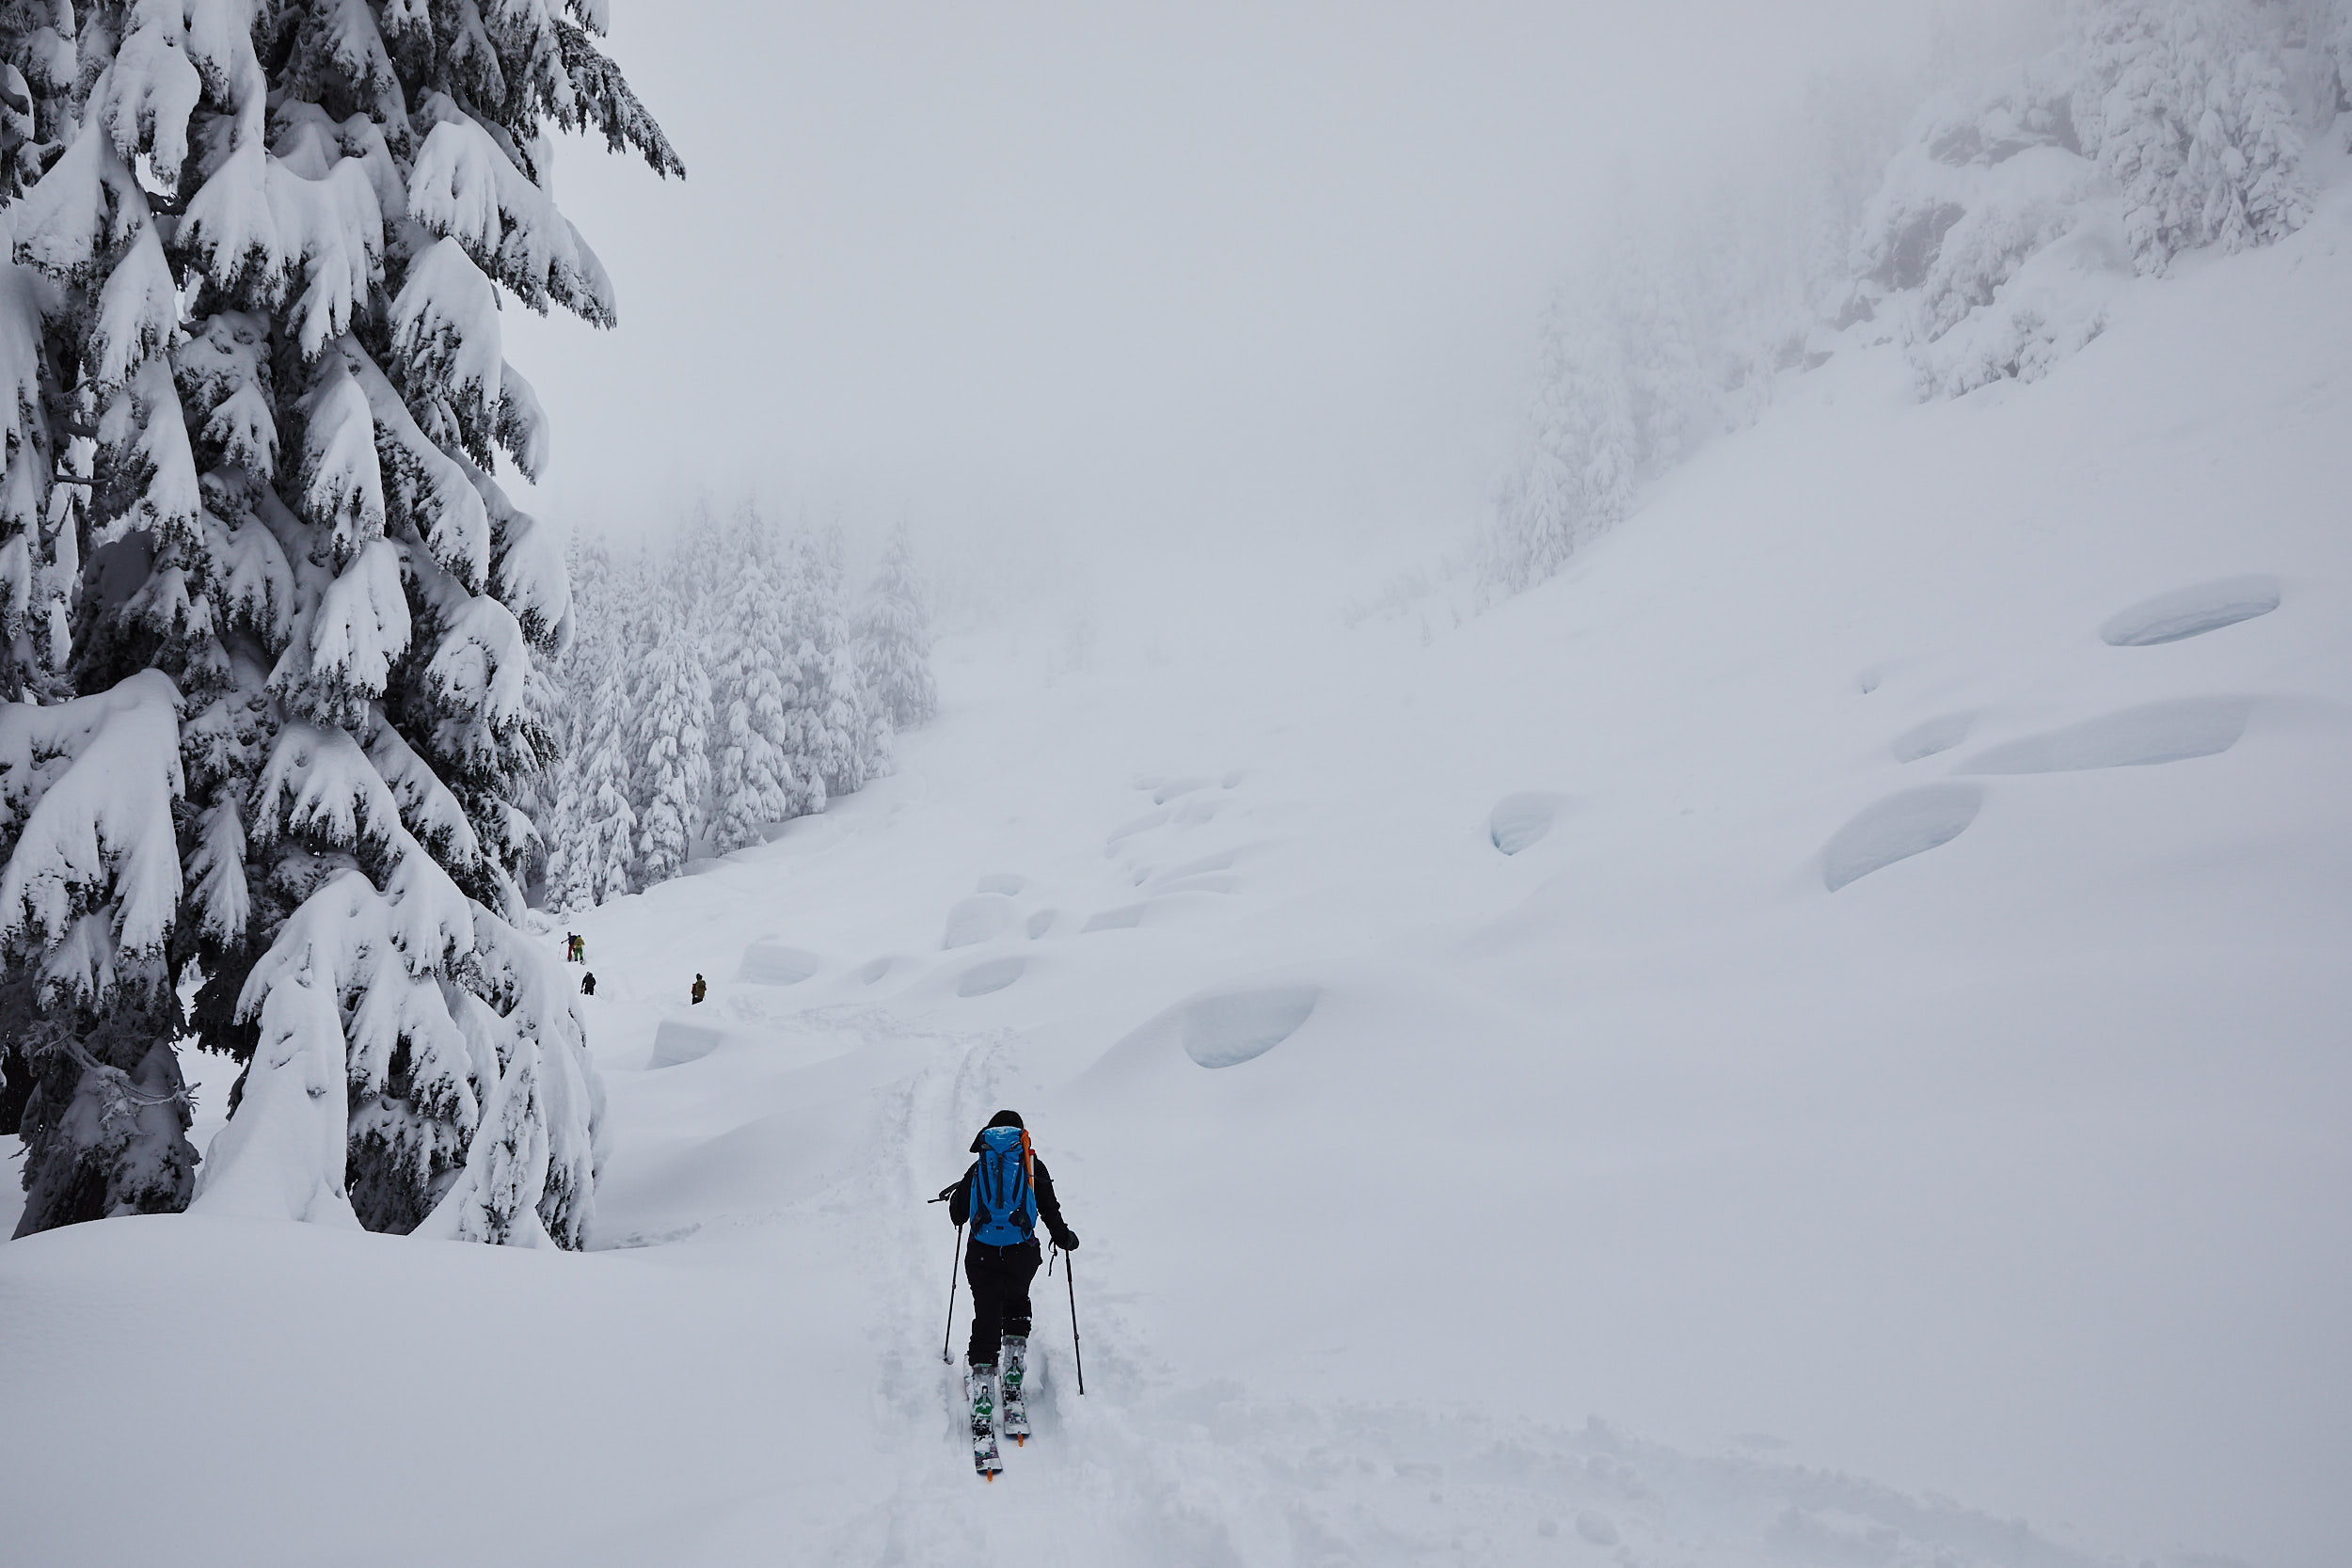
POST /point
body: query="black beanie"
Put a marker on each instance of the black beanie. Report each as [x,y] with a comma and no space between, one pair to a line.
[1004,1118]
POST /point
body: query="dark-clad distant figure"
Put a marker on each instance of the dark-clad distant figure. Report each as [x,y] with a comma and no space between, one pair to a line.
[588,984]
[701,991]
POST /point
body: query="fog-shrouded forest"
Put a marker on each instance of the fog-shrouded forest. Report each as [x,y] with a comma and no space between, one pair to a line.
[1625,734]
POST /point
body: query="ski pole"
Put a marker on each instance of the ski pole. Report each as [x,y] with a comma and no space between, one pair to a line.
[954,1267]
[1070,1277]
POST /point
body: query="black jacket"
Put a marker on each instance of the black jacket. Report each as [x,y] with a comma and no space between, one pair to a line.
[1048,1207]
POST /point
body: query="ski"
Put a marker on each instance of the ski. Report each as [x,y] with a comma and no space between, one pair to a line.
[979,1384]
[1016,1398]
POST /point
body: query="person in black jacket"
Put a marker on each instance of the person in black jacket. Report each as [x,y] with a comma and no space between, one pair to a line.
[1000,1276]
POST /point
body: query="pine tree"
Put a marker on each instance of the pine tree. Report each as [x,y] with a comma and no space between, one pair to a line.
[751,774]
[591,826]
[2183,104]
[845,737]
[545,794]
[41,525]
[91,888]
[670,709]
[1585,458]
[895,639]
[302,664]
[804,744]
[600,837]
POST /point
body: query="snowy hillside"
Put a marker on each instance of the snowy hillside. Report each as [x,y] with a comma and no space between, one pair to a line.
[1816,1036]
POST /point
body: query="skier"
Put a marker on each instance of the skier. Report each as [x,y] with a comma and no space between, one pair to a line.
[588,984]
[1003,1195]
[571,947]
[701,991]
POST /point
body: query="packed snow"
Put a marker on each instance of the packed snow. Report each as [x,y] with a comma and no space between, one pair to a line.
[1815,1037]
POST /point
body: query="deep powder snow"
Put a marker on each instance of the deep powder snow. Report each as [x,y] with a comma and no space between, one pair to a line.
[1848,982]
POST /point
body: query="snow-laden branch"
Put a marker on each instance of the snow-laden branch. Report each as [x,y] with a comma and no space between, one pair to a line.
[86,789]
[464,186]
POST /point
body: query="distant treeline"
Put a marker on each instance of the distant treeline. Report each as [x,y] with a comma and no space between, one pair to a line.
[713,692]
[1981,230]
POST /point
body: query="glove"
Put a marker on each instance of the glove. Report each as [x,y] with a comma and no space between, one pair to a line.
[1066,1240]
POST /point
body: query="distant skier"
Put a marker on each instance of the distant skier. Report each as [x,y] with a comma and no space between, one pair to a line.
[588,984]
[578,953]
[701,991]
[1003,1195]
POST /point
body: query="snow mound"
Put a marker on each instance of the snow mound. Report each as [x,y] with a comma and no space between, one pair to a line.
[875,969]
[1518,821]
[1041,923]
[1174,788]
[977,920]
[1006,883]
[1225,1029]
[1940,733]
[2135,738]
[993,976]
[1896,828]
[675,1040]
[1125,918]
[771,963]
[2188,613]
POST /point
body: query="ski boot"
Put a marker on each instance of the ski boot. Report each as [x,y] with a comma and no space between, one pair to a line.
[1016,1400]
[979,1386]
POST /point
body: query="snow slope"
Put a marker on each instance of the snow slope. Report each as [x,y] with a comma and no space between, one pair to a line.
[2010,1169]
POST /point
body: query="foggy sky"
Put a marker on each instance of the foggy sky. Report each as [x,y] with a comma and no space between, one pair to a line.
[1183,269]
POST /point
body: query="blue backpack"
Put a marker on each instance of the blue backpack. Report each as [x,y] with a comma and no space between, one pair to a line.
[1004,1206]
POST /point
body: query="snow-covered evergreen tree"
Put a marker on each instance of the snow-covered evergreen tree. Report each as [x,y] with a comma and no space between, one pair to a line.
[752,776]
[599,833]
[2156,126]
[41,525]
[1987,181]
[2183,103]
[1578,477]
[895,639]
[1675,330]
[88,902]
[849,745]
[271,245]
[805,746]
[734,697]
[669,707]
[591,826]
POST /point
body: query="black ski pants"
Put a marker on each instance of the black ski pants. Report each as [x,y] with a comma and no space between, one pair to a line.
[1000,1278]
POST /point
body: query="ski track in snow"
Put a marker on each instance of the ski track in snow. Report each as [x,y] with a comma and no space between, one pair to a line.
[1154,1466]
[1148,1468]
